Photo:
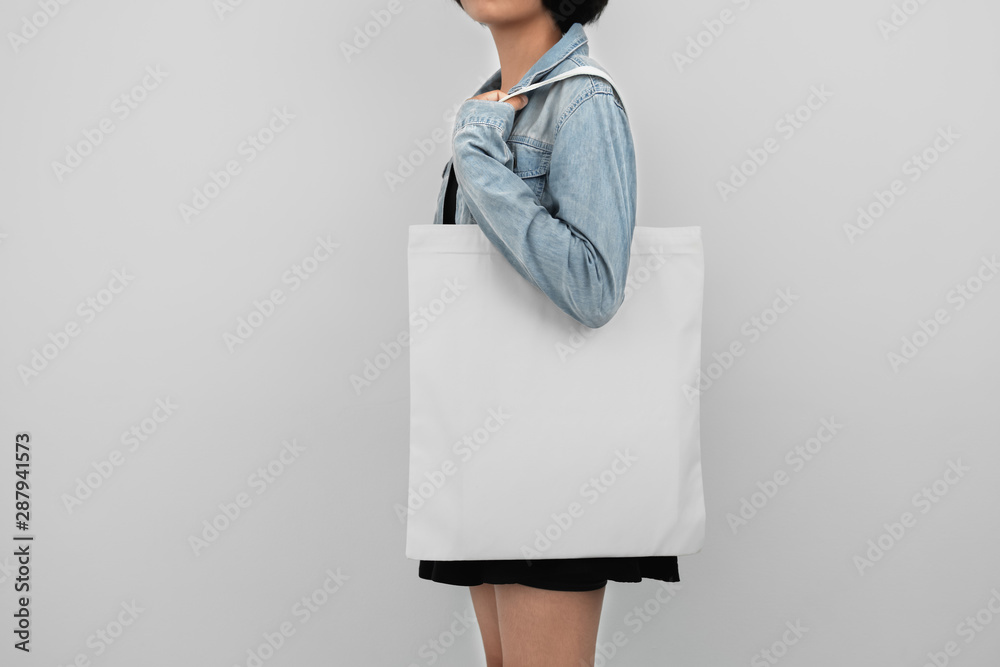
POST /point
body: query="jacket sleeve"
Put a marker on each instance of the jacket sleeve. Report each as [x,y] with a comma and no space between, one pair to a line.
[578,257]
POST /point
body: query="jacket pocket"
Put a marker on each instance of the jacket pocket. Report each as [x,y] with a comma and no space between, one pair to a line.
[531,164]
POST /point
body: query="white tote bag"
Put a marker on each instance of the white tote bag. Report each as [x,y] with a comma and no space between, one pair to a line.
[533,436]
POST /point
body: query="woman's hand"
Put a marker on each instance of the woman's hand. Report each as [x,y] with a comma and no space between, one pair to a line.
[518,101]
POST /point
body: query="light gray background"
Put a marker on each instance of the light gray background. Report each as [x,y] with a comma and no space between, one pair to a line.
[335,506]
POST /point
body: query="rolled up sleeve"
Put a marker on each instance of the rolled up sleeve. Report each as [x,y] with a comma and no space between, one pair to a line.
[579,256]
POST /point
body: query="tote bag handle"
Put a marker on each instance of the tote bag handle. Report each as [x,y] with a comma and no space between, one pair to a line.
[582,69]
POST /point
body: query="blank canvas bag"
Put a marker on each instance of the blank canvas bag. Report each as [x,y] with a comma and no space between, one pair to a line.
[533,436]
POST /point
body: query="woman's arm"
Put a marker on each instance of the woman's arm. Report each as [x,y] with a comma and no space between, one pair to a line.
[578,258]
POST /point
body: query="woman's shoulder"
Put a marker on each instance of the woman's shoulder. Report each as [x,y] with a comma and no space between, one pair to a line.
[579,88]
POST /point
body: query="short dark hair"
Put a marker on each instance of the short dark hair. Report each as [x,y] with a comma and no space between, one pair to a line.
[567,12]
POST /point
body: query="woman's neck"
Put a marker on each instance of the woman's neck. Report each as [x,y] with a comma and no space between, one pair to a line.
[520,45]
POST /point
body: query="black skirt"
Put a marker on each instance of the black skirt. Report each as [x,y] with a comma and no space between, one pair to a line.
[563,574]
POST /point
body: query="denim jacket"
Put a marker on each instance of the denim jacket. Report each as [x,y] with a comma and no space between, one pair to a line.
[552,185]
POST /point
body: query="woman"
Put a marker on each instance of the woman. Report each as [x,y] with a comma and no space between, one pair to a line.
[550,179]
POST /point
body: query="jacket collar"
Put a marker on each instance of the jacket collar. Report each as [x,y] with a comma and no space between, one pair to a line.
[573,40]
